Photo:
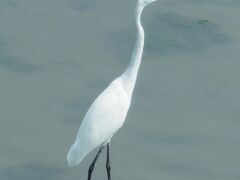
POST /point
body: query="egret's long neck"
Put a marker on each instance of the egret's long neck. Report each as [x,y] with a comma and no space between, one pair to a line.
[130,75]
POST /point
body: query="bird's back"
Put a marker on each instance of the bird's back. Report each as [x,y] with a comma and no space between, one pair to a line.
[104,117]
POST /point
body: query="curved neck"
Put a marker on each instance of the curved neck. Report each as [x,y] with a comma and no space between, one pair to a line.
[130,75]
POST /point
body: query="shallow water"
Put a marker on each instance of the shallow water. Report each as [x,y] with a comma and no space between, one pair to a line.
[57,56]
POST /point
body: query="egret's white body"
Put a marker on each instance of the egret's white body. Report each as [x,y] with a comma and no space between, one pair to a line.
[105,116]
[108,112]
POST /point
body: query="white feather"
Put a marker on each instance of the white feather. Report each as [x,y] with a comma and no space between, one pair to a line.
[104,117]
[108,112]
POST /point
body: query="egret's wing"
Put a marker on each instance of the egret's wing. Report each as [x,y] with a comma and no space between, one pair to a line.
[105,116]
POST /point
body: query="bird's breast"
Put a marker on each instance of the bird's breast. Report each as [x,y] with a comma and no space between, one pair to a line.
[107,113]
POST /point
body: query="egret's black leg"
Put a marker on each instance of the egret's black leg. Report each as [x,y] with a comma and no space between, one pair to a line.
[90,170]
[108,167]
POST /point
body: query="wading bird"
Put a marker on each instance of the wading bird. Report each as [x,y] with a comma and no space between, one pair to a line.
[108,112]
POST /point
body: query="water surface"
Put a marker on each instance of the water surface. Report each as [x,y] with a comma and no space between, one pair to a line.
[57,56]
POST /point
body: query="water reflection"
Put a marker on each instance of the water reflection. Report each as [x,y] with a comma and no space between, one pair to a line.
[182,34]
[35,171]
[15,64]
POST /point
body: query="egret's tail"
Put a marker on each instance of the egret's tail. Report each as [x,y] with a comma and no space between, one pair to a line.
[75,156]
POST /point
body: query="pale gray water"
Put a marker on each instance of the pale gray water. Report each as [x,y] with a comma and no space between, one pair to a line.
[57,56]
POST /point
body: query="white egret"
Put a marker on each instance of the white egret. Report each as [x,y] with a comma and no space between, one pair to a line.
[108,112]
